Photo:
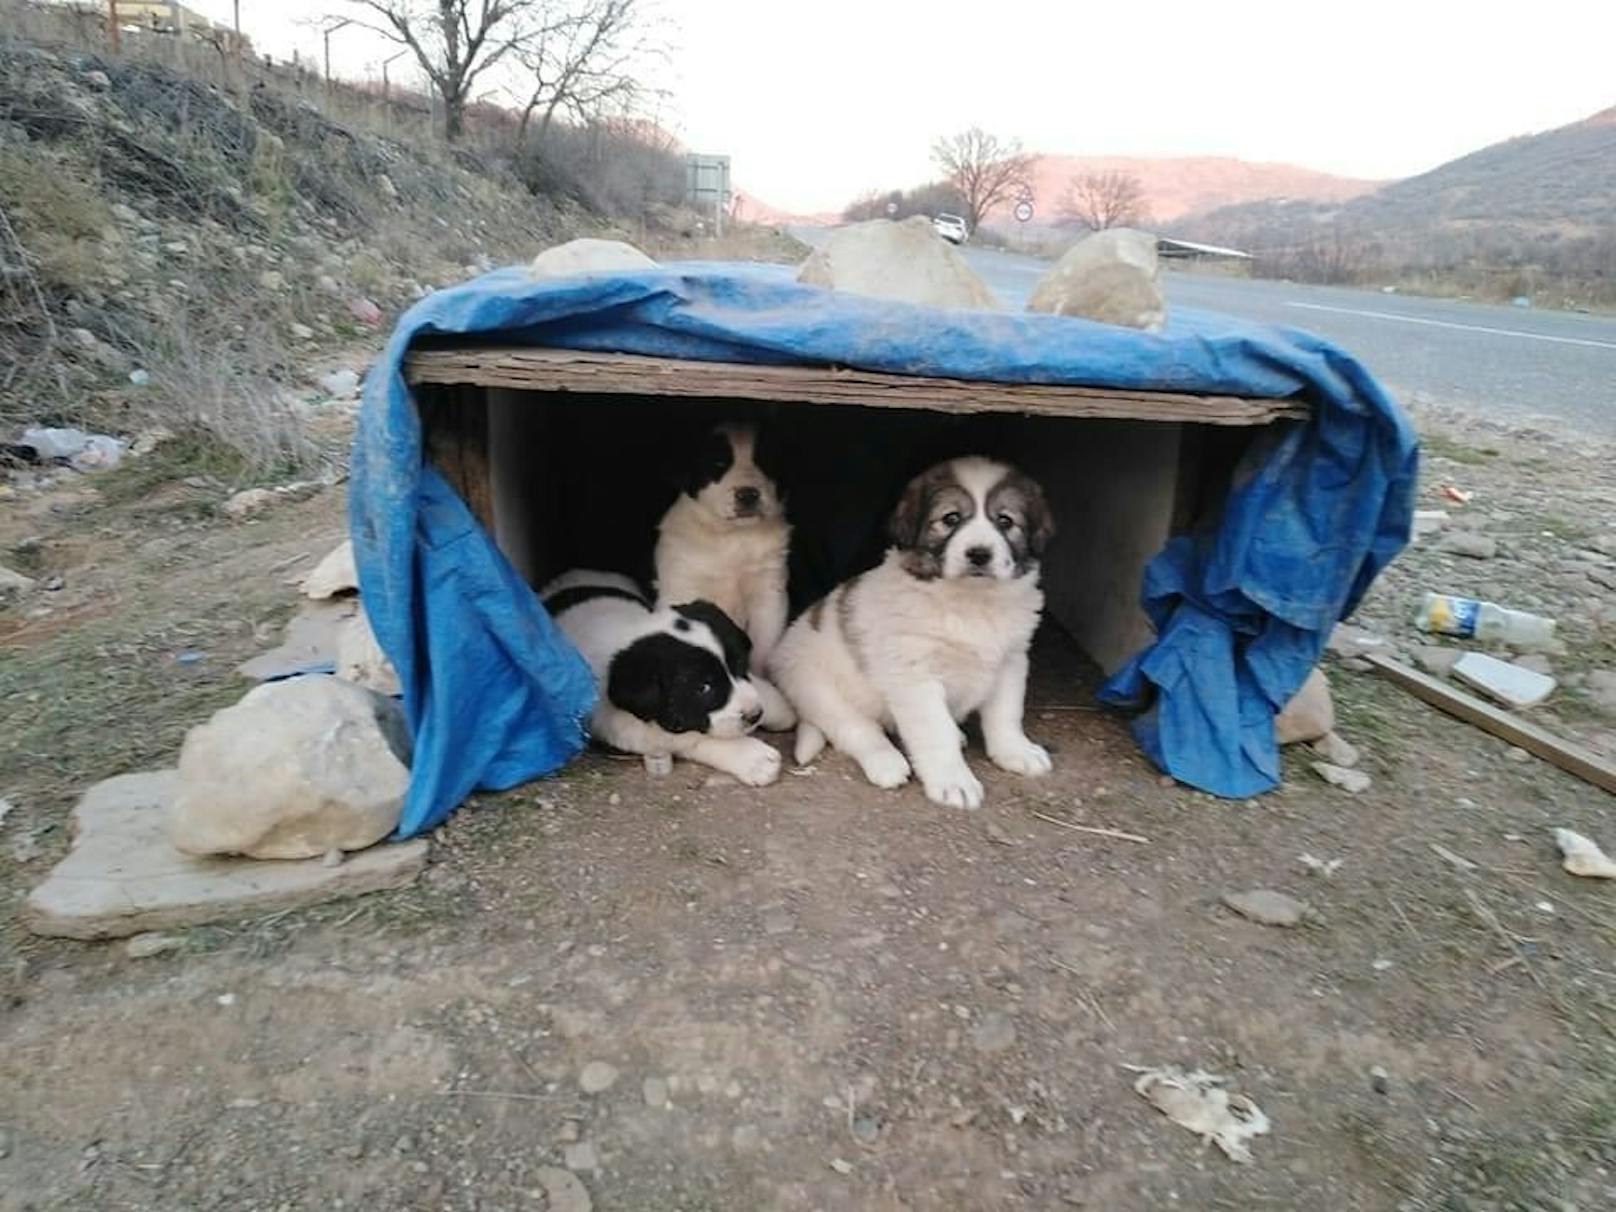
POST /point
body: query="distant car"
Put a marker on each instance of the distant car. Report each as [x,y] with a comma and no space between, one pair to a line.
[951,228]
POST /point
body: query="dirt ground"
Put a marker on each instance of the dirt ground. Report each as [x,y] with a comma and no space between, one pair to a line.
[818,995]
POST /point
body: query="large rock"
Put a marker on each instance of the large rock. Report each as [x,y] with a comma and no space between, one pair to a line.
[360,658]
[907,262]
[123,877]
[336,574]
[297,768]
[1309,715]
[589,257]
[1111,277]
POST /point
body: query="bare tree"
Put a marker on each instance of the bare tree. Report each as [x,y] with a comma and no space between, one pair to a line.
[985,169]
[581,59]
[454,41]
[1102,200]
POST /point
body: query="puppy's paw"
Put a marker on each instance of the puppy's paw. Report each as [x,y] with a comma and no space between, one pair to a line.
[955,789]
[885,767]
[1022,757]
[757,764]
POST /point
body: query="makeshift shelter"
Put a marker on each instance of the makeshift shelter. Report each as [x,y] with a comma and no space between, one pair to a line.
[1242,484]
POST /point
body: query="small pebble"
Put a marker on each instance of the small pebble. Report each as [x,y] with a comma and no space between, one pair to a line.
[655,1092]
[841,1166]
[994,1033]
[1379,1080]
[144,946]
[597,1077]
[614,799]
[226,999]
[866,1129]
[1517,754]
[581,1156]
[1267,906]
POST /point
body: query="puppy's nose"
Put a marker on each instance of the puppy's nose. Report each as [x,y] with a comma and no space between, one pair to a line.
[748,498]
[980,557]
[752,716]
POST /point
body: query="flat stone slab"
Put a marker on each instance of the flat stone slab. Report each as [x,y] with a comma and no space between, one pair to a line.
[310,643]
[123,876]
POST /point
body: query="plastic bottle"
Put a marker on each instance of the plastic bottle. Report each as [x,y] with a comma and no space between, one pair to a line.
[1447,614]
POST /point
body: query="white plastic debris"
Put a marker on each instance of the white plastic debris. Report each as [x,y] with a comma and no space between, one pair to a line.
[1318,866]
[1198,1102]
[1581,856]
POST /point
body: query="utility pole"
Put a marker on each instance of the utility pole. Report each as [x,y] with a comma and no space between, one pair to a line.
[329,30]
[237,7]
[387,88]
[112,25]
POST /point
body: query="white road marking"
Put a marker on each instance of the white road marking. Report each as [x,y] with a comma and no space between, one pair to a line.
[1497,332]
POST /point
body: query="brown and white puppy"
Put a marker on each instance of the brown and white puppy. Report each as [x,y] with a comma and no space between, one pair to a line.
[937,631]
[726,540]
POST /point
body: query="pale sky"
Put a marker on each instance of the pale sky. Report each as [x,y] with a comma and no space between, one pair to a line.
[819,102]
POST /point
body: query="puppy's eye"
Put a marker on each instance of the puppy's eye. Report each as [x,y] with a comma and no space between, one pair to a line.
[951,518]
[1005,521]
[706,689]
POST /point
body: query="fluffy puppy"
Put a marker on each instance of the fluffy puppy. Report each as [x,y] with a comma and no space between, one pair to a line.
[938,630]
[726,541]
[673,681]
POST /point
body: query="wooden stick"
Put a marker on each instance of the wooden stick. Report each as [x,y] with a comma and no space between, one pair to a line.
[1568,757]
[1490,919]
[550,370]
[1094,829]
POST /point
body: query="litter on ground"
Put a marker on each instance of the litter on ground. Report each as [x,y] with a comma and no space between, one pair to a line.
[1197,1101]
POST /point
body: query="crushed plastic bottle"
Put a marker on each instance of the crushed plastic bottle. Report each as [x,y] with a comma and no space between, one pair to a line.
[1471,618]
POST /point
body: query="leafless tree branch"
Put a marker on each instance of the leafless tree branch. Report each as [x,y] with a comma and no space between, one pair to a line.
[985,169]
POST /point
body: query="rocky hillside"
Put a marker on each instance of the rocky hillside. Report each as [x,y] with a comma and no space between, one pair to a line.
[1535,215]
[179,253]
[1183,185]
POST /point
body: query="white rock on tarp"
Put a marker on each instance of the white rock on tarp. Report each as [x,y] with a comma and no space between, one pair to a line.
[1309,715]
[333,575]
[122,875]
[589,256]
[295,769]
[360,658]
[1509,683]
[1110,276]
[907,262]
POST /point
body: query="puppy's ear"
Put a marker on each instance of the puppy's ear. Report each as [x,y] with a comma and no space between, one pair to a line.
[909,518]
[735,642]
[1040,521]
[634,682]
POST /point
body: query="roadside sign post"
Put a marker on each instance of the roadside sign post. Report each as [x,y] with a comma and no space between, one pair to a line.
[707,186]
[1023,213]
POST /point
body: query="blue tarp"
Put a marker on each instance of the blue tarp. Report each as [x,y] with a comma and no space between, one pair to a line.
[495,696]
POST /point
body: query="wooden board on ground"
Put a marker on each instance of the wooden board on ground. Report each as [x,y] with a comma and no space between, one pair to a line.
[1573,758]
[534,369]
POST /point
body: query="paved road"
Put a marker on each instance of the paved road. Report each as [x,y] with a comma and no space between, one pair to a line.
[1506,362]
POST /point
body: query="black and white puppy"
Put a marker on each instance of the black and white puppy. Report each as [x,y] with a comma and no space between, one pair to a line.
[674,681]
[938,630]
[726,540]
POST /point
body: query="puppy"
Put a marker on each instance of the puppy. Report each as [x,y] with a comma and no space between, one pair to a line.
[673,680]
[726,541]
[938,630]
